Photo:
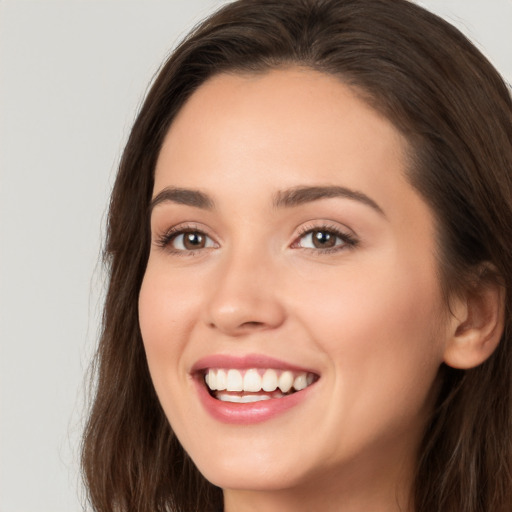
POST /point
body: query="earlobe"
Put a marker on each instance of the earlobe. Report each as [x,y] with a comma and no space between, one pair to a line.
[476,325]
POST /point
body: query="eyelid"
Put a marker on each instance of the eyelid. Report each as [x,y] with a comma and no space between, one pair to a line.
[164,239]
[346,235]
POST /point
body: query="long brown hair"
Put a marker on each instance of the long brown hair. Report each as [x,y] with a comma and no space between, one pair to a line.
[456,113]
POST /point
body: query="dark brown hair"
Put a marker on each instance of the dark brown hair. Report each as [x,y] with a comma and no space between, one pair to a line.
[456,113]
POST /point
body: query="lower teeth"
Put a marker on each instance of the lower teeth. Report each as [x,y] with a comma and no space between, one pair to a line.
[246,398]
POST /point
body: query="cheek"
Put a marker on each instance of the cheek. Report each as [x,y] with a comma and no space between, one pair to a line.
[372,306]
[381,331]
[166,310]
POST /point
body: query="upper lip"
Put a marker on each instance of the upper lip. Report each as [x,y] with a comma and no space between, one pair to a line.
[246,361]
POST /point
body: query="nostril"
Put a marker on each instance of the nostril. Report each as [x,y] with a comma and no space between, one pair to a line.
[244,325]
[252,324]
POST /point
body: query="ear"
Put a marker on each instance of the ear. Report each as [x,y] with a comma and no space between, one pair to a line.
[476,325]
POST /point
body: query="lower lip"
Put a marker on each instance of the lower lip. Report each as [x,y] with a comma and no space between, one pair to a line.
[249,413]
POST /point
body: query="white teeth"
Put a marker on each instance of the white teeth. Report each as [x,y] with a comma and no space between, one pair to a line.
[286,381]
[300,382]
[252,380]
[234,381]
[269,381]
[212,379]
[225,397]
[221,380]
[253,398]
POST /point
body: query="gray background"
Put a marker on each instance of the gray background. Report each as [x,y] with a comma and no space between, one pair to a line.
[72,75]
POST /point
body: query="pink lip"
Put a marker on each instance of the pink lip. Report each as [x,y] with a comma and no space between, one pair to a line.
[244,362]
[249,413]
[245,414]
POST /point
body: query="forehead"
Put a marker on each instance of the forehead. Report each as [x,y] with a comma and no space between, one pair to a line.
[282,120]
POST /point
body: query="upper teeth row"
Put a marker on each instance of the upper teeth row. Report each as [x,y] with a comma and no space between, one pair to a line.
[253,380]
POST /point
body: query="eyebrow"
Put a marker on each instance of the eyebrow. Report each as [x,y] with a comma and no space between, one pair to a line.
[282,199]
[184,196]
[301,195]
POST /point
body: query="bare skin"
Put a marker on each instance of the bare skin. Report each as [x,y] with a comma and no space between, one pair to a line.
[339,279]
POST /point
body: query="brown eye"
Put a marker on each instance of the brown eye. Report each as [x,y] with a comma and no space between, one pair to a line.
[323,239]
[194,240]
[191,241]
[328,239]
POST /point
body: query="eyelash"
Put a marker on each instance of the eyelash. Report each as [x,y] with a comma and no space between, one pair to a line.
[164,241]
[349,241]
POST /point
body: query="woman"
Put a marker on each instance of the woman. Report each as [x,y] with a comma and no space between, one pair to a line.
[310,296]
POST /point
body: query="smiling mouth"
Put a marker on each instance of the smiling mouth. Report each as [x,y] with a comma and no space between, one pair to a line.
[255,384]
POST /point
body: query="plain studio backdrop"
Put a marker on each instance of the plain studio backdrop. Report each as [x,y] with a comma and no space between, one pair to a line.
[72,77]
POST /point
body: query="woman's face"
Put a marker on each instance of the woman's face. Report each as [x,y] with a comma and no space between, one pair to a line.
[288,249]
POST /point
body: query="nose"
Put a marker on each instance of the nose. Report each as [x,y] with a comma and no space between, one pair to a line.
[244,297]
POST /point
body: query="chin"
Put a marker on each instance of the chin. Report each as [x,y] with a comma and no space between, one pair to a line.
[257,467]
[252,477]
